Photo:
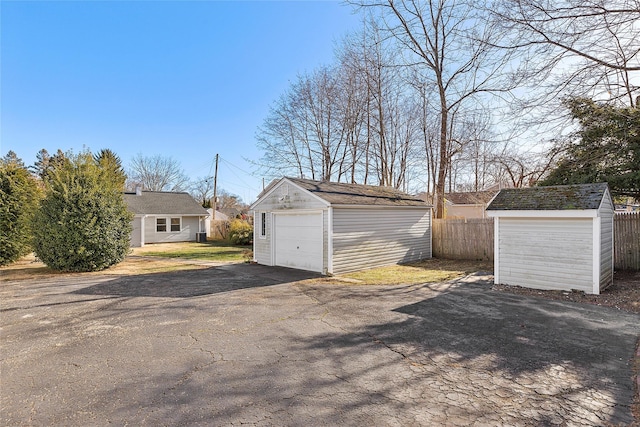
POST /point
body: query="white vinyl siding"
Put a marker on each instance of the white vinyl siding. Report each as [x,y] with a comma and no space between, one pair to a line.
[287,196]
[606,243]
[546,253]
[136,232]
[262,245]
[189,226]
[372,237]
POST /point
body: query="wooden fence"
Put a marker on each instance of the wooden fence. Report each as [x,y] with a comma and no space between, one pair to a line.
[626,241]
[470,238]
[473,239]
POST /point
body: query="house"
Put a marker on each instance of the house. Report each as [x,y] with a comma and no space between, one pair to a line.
[161,216]
[558,237]
[467,204]
[459,205]
[335,228]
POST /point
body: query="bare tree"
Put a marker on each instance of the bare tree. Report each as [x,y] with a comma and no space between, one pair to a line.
[575,47]
[446,43]
[156,173]
[201,189]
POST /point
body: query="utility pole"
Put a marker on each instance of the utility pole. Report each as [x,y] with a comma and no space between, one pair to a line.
[215,189]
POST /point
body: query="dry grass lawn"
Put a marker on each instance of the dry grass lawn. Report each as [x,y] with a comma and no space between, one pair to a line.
[29,268]
[427,271]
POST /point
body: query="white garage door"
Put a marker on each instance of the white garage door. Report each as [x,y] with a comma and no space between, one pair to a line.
[298,241]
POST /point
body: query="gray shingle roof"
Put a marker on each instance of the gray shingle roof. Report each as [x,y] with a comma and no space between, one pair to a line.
[357,194]
[163,203]
[470,198]
[560,197]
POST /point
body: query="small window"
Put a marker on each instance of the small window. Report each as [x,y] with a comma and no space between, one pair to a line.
[175,224]
[263,224]
[161,225]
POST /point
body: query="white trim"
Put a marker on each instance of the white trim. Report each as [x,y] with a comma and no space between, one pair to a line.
[272,239]
[431,233]
[168,224]
[496,250]
[573,213]
[596,255]
[382,206]
[329,240]
[142,230]
[262,234]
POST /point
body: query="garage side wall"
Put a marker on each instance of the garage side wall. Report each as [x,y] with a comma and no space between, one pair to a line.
[606,243]
[366,238]
[262,245]
[546,253]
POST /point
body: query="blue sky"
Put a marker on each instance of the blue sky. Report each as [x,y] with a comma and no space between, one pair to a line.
[180,79]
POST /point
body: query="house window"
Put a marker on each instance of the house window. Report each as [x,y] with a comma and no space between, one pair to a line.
[263,225]
[175,224]
[161,225]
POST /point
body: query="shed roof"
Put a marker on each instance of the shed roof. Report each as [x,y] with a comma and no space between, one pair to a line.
[559,197]
[163,203]
[470,198]
[357,194]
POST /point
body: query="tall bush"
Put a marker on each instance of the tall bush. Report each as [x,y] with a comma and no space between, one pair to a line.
[83,223]
[19,197]
[240,232]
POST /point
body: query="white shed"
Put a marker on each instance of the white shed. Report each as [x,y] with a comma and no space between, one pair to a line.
[558,237]
[334,228]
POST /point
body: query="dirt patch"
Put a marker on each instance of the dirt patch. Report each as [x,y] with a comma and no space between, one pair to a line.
[624,294]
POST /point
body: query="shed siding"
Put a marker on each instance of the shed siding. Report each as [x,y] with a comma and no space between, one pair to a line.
[606,243]
[546,253]
[367,238]
[190,225]
[287,196]
[262,246]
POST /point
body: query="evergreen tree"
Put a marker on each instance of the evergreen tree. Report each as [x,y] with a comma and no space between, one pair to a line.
[606,148]
[19,197]
[12,157]
[112,164]
[83,222]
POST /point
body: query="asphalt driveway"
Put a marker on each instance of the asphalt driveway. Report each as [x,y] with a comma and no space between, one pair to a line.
[242,344]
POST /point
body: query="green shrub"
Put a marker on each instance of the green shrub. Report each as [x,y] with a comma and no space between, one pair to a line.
[240,232]
[83,223]
[19,197]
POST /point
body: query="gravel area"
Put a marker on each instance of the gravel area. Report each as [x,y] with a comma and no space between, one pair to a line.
[624,294]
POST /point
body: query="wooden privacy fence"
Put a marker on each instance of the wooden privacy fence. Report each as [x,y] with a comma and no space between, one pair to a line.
[473,239]
[626,241]
[470,238]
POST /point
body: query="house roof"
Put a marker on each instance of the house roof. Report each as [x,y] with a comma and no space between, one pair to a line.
[163,203]
[470,198]
[560,197]
[357,194]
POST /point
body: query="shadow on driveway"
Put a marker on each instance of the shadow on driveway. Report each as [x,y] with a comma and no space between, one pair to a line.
[572,360]
[194,283]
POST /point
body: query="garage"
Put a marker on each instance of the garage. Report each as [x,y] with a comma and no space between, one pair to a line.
[298,240]
[335,228]
[557,237]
